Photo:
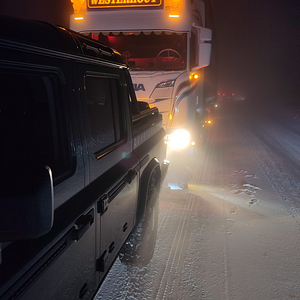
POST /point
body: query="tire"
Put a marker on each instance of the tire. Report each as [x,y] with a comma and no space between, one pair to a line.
[139,247]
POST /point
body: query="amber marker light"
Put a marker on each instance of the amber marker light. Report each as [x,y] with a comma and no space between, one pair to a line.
[173,16]
[170,117]
[194,76]
[78,18]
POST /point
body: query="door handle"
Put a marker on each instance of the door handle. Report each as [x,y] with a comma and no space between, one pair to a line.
[82,224]
[130,175]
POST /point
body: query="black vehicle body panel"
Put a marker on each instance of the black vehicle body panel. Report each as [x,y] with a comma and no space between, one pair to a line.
[50,78]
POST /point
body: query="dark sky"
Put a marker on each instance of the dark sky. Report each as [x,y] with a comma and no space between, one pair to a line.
[258,41]
[53,11]
[259,46]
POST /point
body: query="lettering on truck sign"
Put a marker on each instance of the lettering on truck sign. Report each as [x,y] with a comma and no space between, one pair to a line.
[139,87]
[123,3]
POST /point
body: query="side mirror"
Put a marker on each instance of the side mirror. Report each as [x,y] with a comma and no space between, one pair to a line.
[204,35]
[143,105]
[26,203]
[204,56]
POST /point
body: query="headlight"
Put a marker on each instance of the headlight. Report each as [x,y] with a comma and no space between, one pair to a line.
[166,83]
[179,139]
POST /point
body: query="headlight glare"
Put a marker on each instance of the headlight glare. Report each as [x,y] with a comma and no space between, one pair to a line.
[179,139]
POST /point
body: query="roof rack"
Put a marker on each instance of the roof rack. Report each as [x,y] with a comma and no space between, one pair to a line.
[46,35]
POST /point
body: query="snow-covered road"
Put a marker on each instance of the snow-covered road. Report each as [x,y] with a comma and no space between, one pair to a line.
[235,232]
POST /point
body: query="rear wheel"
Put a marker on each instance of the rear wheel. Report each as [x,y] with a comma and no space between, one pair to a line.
[139,248]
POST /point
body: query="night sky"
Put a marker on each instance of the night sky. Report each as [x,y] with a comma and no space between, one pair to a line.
[258,42]
[259,47]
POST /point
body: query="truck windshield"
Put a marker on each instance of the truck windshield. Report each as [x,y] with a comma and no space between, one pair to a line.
[151,51]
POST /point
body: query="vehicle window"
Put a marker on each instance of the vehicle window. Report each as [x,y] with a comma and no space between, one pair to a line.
[144,50]
[32,130]
[102,98]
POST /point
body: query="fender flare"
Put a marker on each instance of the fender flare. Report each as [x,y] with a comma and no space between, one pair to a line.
[152,167]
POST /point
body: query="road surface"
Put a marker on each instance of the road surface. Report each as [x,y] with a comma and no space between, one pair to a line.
[229,227]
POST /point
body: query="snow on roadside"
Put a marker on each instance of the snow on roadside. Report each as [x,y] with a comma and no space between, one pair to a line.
[234,233]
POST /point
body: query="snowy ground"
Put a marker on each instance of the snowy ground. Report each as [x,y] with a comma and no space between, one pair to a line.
[235,232]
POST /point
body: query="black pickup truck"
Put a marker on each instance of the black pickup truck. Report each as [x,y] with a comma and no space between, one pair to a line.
[81,163]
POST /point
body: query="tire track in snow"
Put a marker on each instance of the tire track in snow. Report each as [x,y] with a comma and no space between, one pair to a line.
[167,285]
[287,145]
[212,174]
[284,185]
[225,212]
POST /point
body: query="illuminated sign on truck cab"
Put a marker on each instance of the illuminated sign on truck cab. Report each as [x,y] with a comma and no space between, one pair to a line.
[122,3]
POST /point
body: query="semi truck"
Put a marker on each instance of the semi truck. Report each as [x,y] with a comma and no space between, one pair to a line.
[167,47]
[81,162]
